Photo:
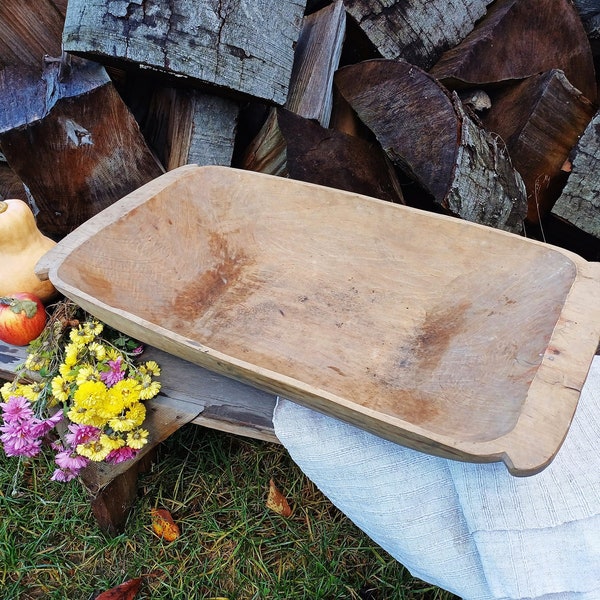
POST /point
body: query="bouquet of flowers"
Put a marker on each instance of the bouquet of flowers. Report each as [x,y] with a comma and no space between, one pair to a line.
[85,380]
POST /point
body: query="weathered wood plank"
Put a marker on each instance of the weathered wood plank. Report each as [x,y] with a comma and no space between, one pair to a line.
[316,58]
[520,39]
[579,203]
[245,46]
[425,132]
[418,31]
[541,119]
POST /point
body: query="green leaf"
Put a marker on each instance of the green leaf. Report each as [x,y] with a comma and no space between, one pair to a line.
[29,307]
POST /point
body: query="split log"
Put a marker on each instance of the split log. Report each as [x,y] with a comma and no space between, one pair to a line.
[520,39]
[540,119]
[316,59]
[418,31]
[187,126]
[245,46]
[10,185]
[29,29]
[426,133]
[295,147]
[579,203]
[72,142]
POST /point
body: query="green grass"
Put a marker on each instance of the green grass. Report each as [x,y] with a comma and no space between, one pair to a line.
[231,546]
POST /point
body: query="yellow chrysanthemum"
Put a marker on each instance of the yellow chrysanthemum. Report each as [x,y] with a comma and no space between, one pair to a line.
[137,439]
[80,336]
[112,353]
[87,373]
[151,367]
[8,390]
[149,388]
[67,371]
[93,328]
[98,350]
[85,416]
[61,388]
[71,353]
[129,391]
[130,419]
[90,393]
[96,451]
[113,404]
[35,362]
[31,391]
[113,441]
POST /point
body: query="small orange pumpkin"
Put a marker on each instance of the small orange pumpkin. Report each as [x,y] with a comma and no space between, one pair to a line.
[22,244]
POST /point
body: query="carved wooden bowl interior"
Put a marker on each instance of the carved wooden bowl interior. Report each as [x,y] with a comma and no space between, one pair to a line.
[446,336]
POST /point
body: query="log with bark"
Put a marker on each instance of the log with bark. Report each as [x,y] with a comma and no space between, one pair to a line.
[579,203]
[10,185]
[589,11]
[292,146]
[316,59]
[418,31]
[189,126]
[540,119]
[243,46]
[519,39]
[72,141]
[426,133]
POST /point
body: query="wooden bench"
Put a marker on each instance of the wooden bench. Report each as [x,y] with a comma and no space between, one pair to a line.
[189,394]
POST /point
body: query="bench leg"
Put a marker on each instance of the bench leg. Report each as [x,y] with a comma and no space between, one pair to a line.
[111,504]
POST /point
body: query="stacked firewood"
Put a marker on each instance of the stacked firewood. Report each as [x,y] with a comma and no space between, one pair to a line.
[485,110]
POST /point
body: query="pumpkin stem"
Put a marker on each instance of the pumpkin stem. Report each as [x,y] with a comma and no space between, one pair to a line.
[3,206]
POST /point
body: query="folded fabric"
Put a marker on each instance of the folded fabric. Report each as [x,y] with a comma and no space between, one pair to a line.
[472,529]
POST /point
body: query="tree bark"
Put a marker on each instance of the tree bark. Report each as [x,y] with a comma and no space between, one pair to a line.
[425,132]
[418,31]
[244,46]
[579,203]
[520,39]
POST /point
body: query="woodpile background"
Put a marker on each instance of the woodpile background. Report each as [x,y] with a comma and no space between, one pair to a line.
[485,110]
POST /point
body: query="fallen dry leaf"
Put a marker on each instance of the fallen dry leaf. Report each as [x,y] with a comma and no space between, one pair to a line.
[276,501]
[125,591]
[163,524]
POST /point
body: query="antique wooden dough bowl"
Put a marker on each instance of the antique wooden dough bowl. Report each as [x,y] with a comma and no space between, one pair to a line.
[439,334]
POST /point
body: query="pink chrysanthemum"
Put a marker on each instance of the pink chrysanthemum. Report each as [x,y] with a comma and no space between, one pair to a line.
[71,461]
[116,373]
[41,428]
[81,434]
[120,455]
[63,475]
[19,440]
[18,408]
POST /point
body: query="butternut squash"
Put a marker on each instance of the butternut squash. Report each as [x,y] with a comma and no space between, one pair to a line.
[22,244]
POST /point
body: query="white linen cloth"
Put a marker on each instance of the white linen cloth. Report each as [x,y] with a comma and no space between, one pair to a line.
[472,529]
